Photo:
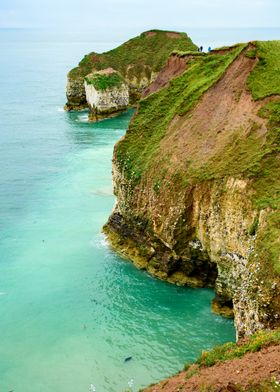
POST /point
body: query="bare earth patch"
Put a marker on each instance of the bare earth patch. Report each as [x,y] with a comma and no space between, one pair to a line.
[172,34]
[226,108]
[107,71]
[150,33]
[174,67]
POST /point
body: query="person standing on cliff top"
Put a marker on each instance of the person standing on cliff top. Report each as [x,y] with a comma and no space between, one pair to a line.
[201,48]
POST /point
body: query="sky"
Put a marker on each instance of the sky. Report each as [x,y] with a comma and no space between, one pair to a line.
[137,15]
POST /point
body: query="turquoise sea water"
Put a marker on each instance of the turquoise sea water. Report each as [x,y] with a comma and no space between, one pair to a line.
[72,310]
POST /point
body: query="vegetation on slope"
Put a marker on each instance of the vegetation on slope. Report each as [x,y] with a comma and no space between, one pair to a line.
[103,81]
[145,53]
[232,351]
[229,351]
[137,151]
[264,81]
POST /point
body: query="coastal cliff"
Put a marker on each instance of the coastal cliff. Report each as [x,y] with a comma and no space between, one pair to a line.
[137,61]
[197,180]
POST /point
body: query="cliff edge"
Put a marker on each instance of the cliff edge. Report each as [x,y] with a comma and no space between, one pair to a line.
[251,366]
[197,180]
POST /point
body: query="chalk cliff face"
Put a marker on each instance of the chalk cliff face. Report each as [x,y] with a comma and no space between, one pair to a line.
[191,180]
[103,103]
[138,61]
[106,93]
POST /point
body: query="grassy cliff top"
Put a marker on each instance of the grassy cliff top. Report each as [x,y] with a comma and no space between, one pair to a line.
[228,351]
[102,81]
[150,49]
[137,151]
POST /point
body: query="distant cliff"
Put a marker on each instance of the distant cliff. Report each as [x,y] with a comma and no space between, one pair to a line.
[137,62]
[197,180]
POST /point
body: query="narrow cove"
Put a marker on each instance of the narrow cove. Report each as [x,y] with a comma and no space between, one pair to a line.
[72,310]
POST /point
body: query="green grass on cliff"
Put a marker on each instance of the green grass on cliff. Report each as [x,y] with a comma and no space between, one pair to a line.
[264,81]
[145,53]
[136,152]
[103,82]
[266,174]
[229,351]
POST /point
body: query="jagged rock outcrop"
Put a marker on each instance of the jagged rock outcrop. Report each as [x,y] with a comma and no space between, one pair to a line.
[197,184]
[138,61]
